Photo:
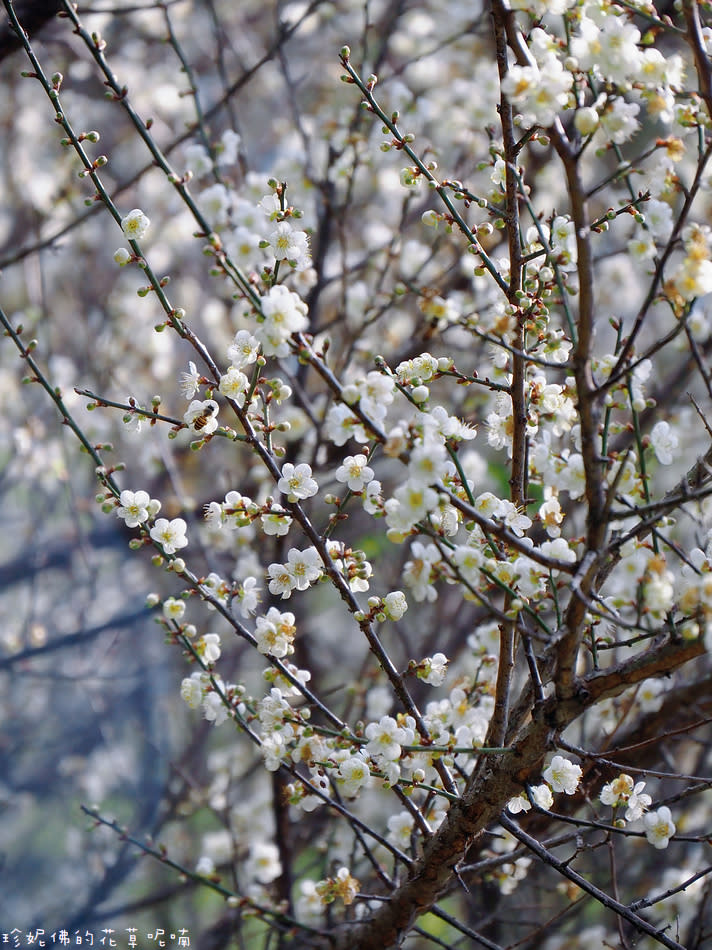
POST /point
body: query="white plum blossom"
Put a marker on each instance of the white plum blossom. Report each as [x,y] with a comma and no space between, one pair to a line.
[190,381]
[201,416]
[275,633]
[664,442]
[551,516]
[624,791]
[611,49]
[191,689]
[559,550]
[291,245]
[414,502]
[563,775]
[208,648]
[353,774]
[341,425]
[618,120]
[247,597]
[638,802]
[542,797]
[136,507]
[284,313]
[519,804]
[304,566]
[659,827]
[197,159]
[469,561]
[135,224]
[170,534]
[418,370]
[417,571]
[400,829]
[243,350]
[173,609]
[586,120]
[658,214]
[228,149]
[281,580]
[214,709]
[355,472]
[428,464]
[515,520]
[215,203]
[540,91]
[395,604]
[276,523]
[658,589]
[234,385]
[650,695]
[297,482]
[263,862]
[385,739]
[432,669]
[373,498]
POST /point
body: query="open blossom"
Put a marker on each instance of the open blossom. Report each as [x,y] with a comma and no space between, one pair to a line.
[519,804]
[208,648]
[244,349]
[618,120]
[135,224]
[284,313]
[353,774]
[539,93]
[291,245]
[276,523]
[659,827]
[638,802]
[617,791]
[214,709]
[191,689]
[275,633]
[190,381]
[136,507]
[201,416]
[433,669]
[234,385]
[173,609]
[395,604]
[263,863]
[297,482]
[355,472]
[281,580]
[562,775]
[623,791]
[542,797]
[417,573]
[304,566]
[385,739]
[170,534]
[664,442]
[248,596]
[611,50]
[551,516]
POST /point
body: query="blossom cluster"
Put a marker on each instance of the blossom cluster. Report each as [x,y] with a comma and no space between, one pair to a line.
[451,438]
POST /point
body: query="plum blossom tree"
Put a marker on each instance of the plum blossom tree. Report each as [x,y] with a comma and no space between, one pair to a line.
[425,356]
